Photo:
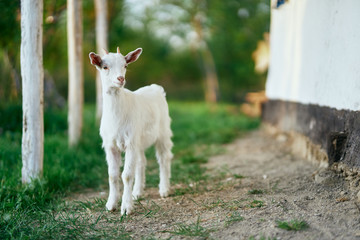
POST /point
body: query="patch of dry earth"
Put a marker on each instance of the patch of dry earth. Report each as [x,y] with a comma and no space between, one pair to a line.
[289,189]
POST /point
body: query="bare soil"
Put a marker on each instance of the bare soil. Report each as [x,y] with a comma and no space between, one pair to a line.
[259,179]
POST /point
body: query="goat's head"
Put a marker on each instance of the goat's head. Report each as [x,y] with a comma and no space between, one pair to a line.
[112,66]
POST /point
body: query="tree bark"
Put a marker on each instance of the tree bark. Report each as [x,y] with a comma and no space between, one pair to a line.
[101,43]
[211,79]
[76,91]
[32,74]
[15,86]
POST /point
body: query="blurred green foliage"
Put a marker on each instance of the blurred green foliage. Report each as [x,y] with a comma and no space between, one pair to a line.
[233,28]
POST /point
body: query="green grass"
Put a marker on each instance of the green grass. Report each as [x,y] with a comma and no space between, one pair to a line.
[39,210]
[148,210]
[234,217]
[293,225]
[191,230]
[237,176]
[256,204]
[255,191]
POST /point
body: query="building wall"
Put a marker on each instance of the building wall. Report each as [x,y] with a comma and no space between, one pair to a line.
[315,53]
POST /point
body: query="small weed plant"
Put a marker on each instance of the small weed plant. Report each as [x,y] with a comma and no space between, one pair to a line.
[234,217]
[293,225]
[256,204]
[255,191]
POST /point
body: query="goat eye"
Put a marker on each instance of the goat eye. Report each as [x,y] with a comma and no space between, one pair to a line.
[105,67]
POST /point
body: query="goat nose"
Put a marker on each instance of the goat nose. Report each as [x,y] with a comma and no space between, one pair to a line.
[121,79]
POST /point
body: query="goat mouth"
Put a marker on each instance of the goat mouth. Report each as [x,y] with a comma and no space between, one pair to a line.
[118,84]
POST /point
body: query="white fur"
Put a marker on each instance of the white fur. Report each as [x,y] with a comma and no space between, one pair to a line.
[132,122]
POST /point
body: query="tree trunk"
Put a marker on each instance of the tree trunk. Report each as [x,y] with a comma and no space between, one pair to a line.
[211,79]
[15,86]
[76,91]
[101,43]
[32,74]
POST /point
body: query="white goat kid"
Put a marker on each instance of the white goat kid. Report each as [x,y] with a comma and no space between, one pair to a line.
[132,122]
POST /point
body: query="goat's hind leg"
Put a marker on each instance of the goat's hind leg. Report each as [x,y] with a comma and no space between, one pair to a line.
[139,176]
[113,158]
[164,156]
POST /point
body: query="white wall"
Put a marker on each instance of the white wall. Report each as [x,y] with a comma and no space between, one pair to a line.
[315,53]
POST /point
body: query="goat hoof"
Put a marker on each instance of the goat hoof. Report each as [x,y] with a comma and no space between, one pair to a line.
[111,210]
[127,205]
[164,194]
[137,195]
[110,207]
[126,210]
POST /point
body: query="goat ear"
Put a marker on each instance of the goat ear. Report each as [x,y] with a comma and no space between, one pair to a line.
[95,59]
[133,56]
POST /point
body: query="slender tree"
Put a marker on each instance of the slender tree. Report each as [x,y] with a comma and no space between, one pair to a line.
[209,68]
[75,64]
[32,74]
[101,43]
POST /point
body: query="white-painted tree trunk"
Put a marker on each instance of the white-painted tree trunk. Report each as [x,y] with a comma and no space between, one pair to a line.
[75,61]
[32,74]
[101,43]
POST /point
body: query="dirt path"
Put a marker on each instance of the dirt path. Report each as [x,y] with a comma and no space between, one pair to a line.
[291,192]
[276,186]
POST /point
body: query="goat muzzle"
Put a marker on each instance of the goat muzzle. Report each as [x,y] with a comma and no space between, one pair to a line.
[121,79]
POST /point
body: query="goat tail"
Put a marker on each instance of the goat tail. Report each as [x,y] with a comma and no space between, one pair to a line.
[159,88]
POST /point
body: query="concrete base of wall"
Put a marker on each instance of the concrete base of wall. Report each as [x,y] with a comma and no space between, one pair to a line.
[299,144]
[302,146]
[325,135]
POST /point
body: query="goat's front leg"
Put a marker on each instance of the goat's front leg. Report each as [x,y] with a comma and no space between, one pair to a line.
[128,180]
[113,158]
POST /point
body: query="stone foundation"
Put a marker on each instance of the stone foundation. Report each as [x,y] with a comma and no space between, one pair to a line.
[324,135]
